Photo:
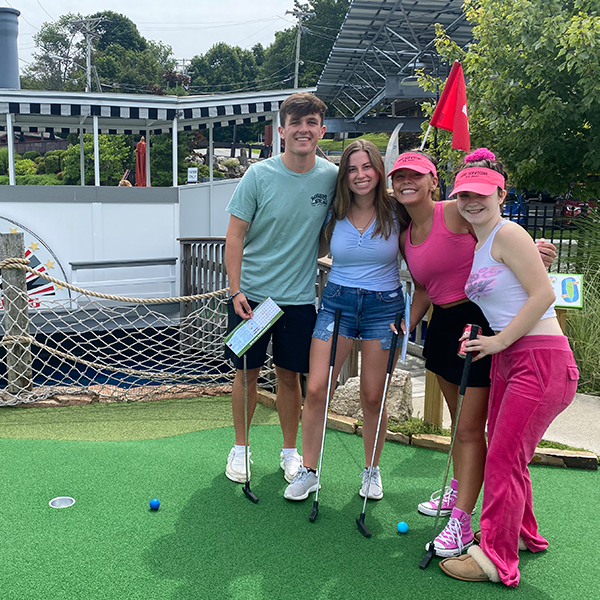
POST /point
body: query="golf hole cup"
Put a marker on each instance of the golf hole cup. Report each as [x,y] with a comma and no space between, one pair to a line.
[62,502]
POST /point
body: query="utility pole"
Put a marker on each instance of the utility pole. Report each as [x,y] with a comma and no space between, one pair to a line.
[300,15]
[88,29]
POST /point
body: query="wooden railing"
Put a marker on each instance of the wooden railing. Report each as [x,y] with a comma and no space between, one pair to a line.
[203,270]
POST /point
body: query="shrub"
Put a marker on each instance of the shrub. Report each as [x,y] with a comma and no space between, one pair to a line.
[204,172]
[115,155]
[3,161]
[31,155]
[52,163]
[231,163]
[41,168]
[583,325]
[25,167]
[32,180]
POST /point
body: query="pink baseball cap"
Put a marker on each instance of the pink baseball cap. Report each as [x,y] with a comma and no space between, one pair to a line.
[414,162]
[480,180]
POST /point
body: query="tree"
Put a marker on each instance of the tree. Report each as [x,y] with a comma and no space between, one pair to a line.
[258,51]
[223,68]
[318,36]
[117,29]
[533,90]
[125,61]
[134,71]
[115,156]
[54,66]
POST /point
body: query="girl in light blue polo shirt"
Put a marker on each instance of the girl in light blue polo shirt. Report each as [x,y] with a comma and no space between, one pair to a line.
[362,233]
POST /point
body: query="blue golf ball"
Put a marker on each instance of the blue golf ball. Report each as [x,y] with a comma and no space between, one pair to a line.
[402,527]
[154,504]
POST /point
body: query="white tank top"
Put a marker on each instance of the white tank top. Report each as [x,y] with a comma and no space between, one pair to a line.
[495,288]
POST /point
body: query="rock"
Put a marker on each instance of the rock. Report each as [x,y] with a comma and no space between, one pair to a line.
[346,400]
[341,423]
[243,157]
[431,441]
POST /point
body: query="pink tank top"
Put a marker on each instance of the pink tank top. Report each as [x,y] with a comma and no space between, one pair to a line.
[442,263]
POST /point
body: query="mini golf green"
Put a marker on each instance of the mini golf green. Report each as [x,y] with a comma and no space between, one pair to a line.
[208,541]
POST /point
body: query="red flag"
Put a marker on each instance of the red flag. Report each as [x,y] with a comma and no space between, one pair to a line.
[451,110]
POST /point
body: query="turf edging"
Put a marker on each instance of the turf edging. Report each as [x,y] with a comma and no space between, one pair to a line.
[553,457]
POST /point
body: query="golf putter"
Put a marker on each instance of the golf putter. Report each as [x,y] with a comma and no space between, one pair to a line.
[246,489]
[463,387]
[390,367]
[336,328]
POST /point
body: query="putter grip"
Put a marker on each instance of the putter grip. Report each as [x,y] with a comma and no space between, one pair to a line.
[336,328]
[468,359]
[395,337]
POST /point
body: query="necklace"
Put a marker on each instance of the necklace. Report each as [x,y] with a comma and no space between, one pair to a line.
[361,229]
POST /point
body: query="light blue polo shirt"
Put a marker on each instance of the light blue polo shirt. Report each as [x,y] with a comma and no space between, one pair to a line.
[286,211]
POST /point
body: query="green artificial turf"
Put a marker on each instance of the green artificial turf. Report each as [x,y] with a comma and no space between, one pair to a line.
[208,541]
[123,421]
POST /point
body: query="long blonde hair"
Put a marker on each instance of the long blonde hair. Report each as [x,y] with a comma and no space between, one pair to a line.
[387,216]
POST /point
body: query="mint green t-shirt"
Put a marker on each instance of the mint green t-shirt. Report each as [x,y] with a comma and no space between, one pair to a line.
[286,211]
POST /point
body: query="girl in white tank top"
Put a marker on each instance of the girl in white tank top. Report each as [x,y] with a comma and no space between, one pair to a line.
[533,375]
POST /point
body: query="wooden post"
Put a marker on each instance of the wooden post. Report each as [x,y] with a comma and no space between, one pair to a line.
[433,409]
[350,366]
[16,316]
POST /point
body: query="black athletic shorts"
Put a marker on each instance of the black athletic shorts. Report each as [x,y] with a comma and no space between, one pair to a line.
[441,344]
[291,335]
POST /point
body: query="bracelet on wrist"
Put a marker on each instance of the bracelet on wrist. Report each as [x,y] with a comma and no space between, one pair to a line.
[236,294]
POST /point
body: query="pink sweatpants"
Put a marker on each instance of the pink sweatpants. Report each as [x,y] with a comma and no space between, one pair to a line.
[532,382]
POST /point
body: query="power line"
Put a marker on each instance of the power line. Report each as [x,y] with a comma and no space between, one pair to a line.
[38,1]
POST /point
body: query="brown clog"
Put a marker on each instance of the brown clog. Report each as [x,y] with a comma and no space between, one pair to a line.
[463,567]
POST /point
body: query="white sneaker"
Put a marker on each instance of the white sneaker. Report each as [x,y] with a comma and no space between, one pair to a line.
[236,466]
[290,463]
[375,489]
[304,483]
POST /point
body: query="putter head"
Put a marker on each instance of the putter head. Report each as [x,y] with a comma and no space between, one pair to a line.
[362,527]
[427,558]
[315,511]
[249,494]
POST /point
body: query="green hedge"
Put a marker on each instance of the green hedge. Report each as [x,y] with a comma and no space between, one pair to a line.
[32,180]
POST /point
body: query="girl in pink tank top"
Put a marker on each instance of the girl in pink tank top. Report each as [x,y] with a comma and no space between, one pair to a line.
[438,247]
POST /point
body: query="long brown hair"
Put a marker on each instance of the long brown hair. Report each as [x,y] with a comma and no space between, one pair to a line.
[386,211]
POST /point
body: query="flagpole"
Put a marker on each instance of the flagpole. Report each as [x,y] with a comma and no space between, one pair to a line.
[425,138]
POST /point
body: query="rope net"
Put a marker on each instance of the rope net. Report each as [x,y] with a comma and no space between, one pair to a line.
[108,350]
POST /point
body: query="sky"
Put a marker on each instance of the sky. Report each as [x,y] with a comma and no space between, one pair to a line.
[190,28]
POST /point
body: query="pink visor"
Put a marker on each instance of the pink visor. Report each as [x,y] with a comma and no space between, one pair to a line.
[414,162]
[479,180]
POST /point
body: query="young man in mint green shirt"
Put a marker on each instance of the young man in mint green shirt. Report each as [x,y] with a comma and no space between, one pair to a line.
[277,212]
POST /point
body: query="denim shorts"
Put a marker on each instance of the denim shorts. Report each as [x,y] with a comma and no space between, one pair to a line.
[366,315]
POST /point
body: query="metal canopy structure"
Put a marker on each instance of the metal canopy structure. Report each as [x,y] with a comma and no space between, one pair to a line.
[378,47]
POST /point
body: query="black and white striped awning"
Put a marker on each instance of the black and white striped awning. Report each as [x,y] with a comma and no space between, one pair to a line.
[65,112]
